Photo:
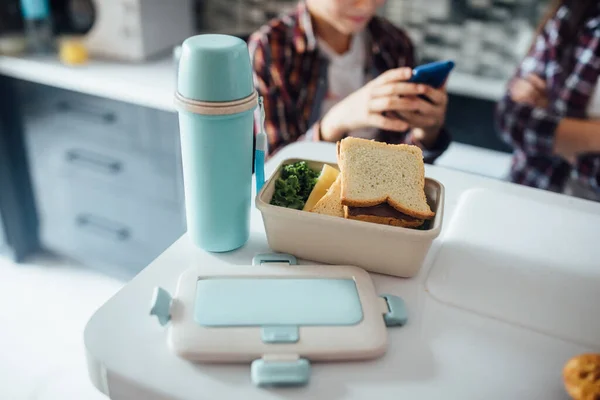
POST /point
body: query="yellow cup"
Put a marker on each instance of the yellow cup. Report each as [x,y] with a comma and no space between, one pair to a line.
[73,52]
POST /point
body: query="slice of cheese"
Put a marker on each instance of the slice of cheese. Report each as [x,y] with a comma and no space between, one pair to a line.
[328,175]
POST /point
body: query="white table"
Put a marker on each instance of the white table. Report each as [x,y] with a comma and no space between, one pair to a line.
[443,352]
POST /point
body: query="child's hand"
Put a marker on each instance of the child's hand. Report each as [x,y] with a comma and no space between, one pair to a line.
[390,92]
[531,90]
[429,115]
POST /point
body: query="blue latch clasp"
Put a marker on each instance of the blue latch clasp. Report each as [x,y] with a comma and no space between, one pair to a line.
[397,314]
[161,305]
[280,372]
[274,258]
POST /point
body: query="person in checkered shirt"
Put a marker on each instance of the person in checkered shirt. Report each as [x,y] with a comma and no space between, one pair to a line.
[551,111]
[332,68]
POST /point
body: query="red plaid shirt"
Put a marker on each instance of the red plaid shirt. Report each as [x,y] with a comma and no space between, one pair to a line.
[531,130]
[290,74]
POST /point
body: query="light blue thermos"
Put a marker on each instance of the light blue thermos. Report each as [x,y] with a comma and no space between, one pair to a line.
[216,100]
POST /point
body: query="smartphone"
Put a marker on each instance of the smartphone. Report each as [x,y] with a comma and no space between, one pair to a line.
[433,74]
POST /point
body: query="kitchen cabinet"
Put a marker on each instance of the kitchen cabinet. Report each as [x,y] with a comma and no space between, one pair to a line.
[107,177]
[472,121]
[18,218]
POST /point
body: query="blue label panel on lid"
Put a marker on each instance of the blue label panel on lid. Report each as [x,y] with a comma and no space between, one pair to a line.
[273,301]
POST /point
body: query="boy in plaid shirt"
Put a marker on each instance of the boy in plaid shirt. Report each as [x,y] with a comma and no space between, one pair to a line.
[331,68]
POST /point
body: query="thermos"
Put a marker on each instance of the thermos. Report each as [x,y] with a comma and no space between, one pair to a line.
[216,100]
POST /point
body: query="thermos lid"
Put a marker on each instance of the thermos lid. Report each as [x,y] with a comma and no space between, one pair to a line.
[215,68]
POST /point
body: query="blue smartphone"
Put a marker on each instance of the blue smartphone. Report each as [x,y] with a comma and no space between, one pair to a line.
[433,74]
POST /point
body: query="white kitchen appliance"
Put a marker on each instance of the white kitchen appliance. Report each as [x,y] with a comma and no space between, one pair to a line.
[135,30]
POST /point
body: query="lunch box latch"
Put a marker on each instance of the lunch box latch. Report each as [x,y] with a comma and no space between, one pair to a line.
[280,371]
[280,334]
[397,314]
[275,258]
[161,305]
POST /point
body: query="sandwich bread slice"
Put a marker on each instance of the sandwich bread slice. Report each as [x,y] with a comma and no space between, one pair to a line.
[376,173]
[330,203]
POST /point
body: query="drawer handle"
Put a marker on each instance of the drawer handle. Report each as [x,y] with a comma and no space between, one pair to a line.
[106,117]
[88,159]
[103,227]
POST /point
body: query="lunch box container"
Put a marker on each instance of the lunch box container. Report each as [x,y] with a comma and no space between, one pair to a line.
[384,249]
[277,316]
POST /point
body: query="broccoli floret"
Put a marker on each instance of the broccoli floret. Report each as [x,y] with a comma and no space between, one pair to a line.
[294,185]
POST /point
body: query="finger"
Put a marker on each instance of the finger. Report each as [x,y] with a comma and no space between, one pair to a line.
[397,89]
[523,92]
[394,75]
[524,100]
[420,120]
[524,86]
[437,96]
[426,108]
[394,103]
[524,96]
[530,90]
[377,120]
[520,97]
[538,83]
[521,84]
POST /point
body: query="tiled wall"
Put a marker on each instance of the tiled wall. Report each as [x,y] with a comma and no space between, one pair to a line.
[485,37]
[240,17]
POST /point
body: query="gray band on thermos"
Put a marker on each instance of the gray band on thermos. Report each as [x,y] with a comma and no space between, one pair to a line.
[216,108]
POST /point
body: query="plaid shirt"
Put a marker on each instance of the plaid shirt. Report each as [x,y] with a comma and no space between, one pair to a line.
[531,130]
[290,73]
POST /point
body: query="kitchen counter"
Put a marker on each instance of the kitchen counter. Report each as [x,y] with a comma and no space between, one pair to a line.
[494,312]
[152,84]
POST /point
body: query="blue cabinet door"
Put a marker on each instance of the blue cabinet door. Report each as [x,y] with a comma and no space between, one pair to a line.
[18,223]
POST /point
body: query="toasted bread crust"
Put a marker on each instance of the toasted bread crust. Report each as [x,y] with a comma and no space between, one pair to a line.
[377,202]
[412,213]
[384,220]
[330,204]
[374,202]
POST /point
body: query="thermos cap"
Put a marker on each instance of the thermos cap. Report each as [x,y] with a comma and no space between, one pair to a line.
[215,68]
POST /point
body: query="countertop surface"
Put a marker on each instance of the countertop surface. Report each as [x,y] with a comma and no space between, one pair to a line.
[494,312]
[152,84]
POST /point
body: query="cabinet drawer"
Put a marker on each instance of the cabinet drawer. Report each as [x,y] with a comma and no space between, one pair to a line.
[92,225]
[93,248]
[131,217]
[120,172]
[84,116]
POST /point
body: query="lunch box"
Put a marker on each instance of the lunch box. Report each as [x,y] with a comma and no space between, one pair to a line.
[384,249]
[277,315]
